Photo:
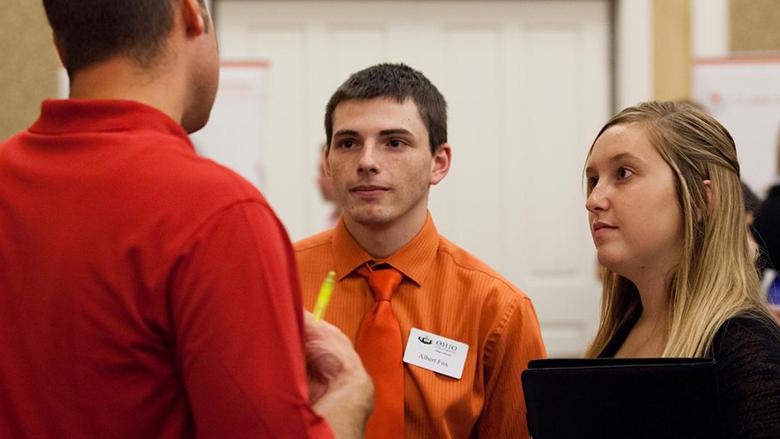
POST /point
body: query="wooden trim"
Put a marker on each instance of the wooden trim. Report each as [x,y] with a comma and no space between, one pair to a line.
[671,49]
[738,60]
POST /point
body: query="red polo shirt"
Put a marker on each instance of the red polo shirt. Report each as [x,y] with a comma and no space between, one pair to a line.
[144,291]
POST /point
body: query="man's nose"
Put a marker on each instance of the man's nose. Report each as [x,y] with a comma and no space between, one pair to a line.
[368,159]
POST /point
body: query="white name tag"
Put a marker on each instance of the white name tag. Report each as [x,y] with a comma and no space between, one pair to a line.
[436,353]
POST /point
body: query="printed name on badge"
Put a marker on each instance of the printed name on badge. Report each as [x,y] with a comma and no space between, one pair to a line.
[436,353]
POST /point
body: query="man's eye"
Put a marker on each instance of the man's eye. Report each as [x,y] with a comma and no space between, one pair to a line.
[395,143]
[624,173]
[346,144]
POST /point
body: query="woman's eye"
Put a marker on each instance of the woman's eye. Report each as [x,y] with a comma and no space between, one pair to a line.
[591,183]
[624,173]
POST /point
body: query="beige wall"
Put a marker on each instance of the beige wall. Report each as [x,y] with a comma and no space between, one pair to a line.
[671,49]
[755,25]
[29,68]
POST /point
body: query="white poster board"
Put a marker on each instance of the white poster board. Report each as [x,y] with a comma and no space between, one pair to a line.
[744,95]
[234,135]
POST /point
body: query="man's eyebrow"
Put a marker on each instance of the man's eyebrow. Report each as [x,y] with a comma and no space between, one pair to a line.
[346,133]
[396,131]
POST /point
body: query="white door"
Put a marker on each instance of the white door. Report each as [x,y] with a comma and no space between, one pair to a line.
[527,85]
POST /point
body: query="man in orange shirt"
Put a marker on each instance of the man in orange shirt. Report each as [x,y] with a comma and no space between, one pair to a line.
[443,336]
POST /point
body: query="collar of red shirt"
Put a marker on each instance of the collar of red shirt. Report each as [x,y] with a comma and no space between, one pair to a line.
[102,115]
[414,259]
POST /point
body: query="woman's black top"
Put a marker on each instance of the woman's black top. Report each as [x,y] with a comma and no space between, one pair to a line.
[746,350]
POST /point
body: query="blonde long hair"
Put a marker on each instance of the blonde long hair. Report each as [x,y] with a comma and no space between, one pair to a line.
[715,278]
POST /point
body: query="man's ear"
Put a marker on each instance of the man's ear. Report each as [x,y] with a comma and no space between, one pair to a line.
[60,50]
[194,17]
[440,165]
[325,162]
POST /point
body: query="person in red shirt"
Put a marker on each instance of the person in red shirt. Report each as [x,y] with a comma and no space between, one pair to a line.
[145,291]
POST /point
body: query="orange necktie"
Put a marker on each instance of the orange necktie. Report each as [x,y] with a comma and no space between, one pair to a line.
[381,349]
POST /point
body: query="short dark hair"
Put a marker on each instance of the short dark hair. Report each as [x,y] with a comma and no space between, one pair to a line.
[91,31]
[399,82]
[752,202]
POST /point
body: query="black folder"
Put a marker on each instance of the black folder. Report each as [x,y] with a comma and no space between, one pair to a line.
[611,398]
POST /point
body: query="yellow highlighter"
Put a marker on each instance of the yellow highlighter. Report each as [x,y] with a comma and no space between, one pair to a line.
[324,297]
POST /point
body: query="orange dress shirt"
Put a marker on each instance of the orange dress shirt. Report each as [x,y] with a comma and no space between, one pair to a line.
[448,292]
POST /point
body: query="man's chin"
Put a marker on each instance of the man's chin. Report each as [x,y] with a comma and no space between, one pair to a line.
[370,218]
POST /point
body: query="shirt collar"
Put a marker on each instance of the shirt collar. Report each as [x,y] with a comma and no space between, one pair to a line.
[414,259]
[60,116]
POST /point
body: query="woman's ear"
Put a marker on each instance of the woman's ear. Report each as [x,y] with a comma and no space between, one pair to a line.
[708,195]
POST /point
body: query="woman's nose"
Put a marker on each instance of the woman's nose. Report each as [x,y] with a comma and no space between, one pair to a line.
[597,200]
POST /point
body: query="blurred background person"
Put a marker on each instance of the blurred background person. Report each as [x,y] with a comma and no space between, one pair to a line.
[325,186]
[767,226]
[752,204]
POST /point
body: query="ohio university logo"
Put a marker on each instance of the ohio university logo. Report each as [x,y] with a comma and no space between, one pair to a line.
[446,346]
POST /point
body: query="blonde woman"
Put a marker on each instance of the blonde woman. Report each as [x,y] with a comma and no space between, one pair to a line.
[667,219]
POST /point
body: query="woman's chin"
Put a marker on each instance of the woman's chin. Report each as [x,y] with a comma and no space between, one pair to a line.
[609,261]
